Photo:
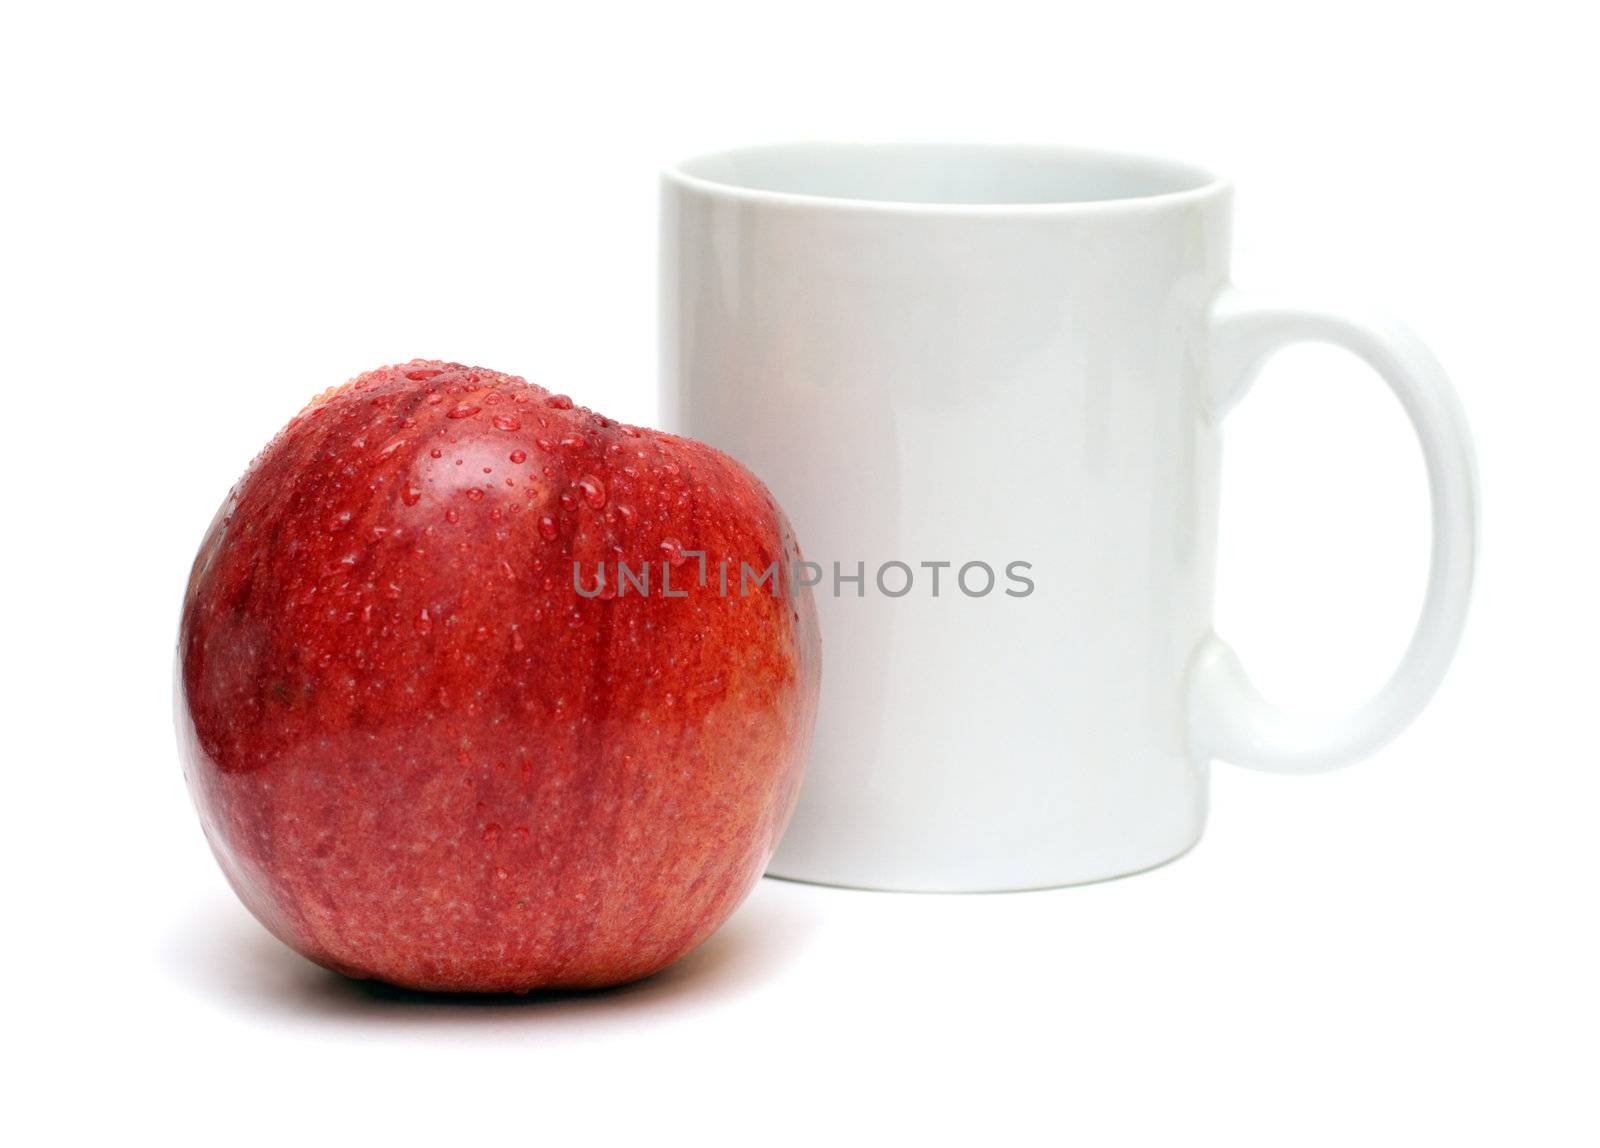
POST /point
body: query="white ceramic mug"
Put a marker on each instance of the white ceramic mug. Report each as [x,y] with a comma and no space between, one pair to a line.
[1006,355]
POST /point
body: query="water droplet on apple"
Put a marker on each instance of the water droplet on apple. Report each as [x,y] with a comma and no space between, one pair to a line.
[475,494]
[519,456]
[568,502]
[424,622]
[574,442]
[436,453]
[547,526]
[560,402]
[673,549]
[462,411]
[451,515]
[410,495]
[506,423]
[594,492]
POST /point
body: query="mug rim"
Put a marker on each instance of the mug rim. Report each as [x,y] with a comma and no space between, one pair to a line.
[1174,182]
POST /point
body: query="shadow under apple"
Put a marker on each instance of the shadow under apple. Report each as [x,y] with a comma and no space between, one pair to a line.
[220,952]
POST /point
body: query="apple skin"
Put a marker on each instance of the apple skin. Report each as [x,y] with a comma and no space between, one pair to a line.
[421,756]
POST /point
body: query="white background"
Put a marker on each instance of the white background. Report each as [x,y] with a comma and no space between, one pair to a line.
[210,213]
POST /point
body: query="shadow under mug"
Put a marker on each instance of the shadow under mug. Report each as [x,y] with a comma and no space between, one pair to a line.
[986,382]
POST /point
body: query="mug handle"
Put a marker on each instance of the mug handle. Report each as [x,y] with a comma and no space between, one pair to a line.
[1228,718]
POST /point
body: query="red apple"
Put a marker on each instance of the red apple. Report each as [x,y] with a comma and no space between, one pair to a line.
[420,755]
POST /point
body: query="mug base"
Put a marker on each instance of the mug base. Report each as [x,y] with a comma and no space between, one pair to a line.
[1092,877]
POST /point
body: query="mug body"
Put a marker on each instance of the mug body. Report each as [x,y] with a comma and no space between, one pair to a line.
[974,378]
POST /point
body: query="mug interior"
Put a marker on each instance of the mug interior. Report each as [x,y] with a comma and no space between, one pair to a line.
[950,174]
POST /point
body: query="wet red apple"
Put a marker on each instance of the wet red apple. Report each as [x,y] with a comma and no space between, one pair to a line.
[422,755]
